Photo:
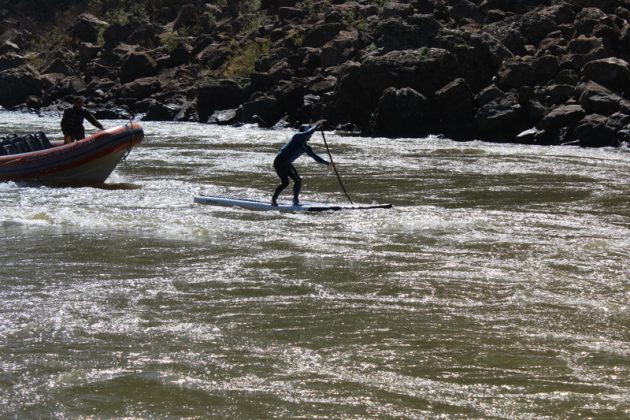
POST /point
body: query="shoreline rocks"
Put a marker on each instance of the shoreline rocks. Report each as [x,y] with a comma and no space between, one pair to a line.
[543,72]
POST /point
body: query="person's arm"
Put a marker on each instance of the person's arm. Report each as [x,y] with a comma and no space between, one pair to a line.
[311,130]
[315,156]
[65,123]
[88,116]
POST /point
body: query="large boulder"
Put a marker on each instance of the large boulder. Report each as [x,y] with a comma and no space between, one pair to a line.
[400,113]
[140,88]
[61,86]
[187,16]
[501,118]
[88,51]
[515,73]
[395,34]
[618,121]
[319,35]
[597,99]
[546,67]
[557,94]
[567,77]
[280,70]
[592,131]
[478,57]
[535,26]
[213,55]
[489,94]
[392,8]
[218,95]
[554,45]
[11,60]
[587,19]
[179,55]
[564,116]
[145,35]
[464,10]
[583,49]
[58,65]
[561,13]
[263,110]
[455,106]
[87,28]
[17,84]
[159,112]
[423,6]
[611,72]
[508,36]
[340,49]
[290,95]
[361,85]
[497,52]
[526,71]
[606,5]
[137,65]
[117,33]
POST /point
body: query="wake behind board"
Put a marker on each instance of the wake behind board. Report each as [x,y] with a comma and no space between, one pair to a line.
[266,206]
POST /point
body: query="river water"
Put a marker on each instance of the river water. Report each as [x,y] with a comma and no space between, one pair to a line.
[497,286]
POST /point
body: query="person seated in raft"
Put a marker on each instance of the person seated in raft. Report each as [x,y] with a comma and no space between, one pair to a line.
[283,163]
[72,122]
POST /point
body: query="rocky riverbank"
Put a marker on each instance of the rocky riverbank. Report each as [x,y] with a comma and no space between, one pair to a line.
[537,71]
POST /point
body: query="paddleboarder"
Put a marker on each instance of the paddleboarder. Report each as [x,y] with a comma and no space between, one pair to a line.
[283,163]
[72,121]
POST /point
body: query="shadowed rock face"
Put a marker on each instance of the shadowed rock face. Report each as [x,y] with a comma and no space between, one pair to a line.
[558,71]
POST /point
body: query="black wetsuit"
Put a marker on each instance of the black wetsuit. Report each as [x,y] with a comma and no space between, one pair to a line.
[283,163]
[72,122]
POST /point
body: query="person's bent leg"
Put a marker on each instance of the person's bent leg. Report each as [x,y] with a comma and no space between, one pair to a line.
[279,189]
[282,172]
[297,184]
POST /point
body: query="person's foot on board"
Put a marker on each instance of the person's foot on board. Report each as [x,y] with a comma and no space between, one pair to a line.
[296,202]
[274,203]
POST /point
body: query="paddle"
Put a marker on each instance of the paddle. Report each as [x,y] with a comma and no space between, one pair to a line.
[335,168]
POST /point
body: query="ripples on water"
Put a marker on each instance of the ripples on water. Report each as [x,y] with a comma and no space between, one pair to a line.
[497,286]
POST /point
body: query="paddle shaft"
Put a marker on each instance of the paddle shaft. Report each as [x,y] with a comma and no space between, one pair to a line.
[335,168]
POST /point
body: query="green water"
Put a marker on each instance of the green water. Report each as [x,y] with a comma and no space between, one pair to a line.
[498,286]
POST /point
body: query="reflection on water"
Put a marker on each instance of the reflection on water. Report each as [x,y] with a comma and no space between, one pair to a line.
[496,287]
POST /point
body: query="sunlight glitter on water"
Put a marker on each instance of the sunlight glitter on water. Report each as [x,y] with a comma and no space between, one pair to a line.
[497,286]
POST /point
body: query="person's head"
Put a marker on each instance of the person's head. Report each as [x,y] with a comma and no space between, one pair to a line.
[304,128]
[78,102]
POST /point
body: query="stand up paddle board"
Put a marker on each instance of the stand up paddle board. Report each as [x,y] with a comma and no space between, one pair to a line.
[266,206]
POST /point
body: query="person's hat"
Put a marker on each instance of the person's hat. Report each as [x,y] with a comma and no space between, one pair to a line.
[304,127]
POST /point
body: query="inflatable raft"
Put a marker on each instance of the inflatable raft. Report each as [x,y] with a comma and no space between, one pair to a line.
[33,159]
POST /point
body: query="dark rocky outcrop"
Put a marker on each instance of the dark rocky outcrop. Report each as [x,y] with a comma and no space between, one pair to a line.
[535,71]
